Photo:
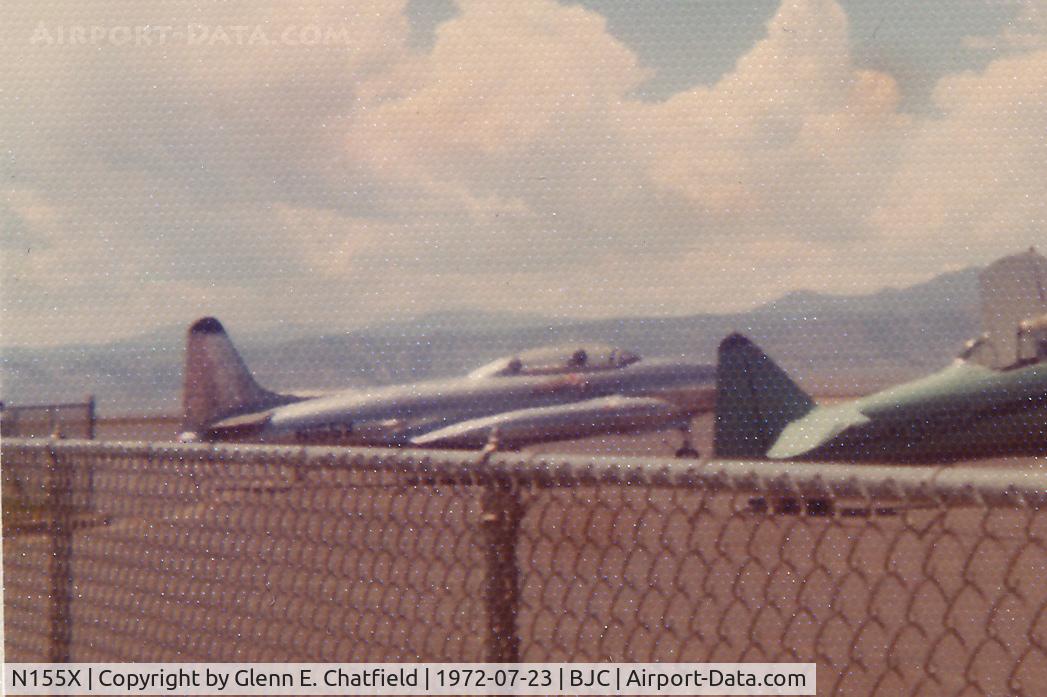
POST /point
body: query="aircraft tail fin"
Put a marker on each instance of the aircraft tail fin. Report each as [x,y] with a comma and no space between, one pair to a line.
[217,383]
[755,400]
[1013,289]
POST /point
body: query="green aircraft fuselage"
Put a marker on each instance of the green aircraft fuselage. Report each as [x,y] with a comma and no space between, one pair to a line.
[962,411]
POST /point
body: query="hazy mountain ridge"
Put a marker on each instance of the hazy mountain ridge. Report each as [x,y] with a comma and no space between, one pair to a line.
[839,344]
[954,289]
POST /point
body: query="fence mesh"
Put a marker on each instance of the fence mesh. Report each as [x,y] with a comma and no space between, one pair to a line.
[73,420]
[902,580]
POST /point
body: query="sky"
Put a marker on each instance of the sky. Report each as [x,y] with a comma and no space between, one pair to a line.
[343,163]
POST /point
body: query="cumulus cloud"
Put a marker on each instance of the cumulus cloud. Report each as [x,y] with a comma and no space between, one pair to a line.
[972,180]
[794,143]
[165,160]
[367,177]
[791,141]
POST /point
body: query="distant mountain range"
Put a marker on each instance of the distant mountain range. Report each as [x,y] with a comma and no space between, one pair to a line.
[832,343]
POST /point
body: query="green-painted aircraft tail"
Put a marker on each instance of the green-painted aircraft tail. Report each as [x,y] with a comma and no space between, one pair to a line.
[990,401]
[755,400]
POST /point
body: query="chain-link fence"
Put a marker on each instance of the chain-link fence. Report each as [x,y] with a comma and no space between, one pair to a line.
[904,580]
[69,420]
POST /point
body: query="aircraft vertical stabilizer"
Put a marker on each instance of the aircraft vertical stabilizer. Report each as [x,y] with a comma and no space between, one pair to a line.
[1013,289]
[755,400]
[217,382]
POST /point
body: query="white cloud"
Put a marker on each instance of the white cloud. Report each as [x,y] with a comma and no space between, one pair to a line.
[325,241]
[794,144]
[370,179]
[791,142]
[972,181]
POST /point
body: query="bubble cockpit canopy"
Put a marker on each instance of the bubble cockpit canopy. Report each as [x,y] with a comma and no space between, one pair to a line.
[553,360]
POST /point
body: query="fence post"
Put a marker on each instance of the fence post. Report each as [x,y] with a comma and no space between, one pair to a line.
[89,492]
[61,576]
[90,417]
[500,521]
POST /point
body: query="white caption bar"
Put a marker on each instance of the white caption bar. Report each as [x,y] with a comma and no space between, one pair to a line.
[410,678]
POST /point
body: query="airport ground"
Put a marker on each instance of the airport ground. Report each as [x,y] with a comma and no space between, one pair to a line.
[655,444]
[630,573]
[926,601]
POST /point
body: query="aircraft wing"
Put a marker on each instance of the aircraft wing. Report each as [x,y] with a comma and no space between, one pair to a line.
[521,427]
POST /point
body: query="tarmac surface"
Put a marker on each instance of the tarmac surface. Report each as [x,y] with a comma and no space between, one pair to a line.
[341,567]
[655,444]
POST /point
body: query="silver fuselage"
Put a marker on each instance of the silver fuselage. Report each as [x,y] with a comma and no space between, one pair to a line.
[396,413]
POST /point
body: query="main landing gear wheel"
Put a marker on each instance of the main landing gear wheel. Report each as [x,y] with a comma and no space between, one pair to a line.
[687,449]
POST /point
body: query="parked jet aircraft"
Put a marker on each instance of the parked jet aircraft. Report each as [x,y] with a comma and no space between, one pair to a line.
[991,401]
[541,395]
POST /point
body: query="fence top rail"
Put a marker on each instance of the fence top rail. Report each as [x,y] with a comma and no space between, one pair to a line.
[46,407]
[939,484]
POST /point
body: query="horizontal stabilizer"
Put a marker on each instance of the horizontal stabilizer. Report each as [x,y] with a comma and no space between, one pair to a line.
[816,429]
